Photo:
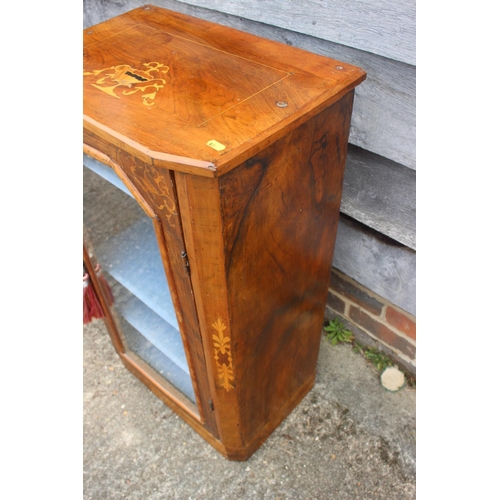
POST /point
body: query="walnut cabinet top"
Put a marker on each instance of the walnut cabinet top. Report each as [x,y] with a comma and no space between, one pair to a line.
[198,97]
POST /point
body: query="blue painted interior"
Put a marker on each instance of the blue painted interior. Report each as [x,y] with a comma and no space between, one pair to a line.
[105,172]
[133,259]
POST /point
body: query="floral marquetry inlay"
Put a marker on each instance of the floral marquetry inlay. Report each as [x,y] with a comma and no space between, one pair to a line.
[127,80]
[154,185]
[222,355]
[152,182]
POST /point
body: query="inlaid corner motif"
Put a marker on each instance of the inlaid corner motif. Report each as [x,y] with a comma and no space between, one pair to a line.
[157,186]
[153,185]
[223,357]
[128,80]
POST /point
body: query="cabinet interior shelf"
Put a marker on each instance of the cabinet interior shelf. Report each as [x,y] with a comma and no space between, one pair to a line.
[132,260]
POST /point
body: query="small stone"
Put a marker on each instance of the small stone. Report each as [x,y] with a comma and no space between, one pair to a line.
[392,379]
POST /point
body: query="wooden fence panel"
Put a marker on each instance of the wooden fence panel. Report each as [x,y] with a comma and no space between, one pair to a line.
[377,263]
[380,194]
[383,27]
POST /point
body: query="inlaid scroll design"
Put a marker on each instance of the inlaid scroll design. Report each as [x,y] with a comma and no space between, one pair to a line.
[131,79]
[153,185]
[223,357]
[157,187]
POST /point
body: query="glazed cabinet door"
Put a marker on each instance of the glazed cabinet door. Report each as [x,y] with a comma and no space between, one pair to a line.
[134,247]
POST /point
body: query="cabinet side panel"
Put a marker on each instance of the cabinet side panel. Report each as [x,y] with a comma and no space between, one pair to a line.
[280,211]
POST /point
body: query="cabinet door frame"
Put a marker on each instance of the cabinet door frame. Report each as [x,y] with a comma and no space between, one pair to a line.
[154,190]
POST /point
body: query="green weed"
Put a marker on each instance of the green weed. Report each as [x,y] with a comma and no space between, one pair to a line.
[337,332]
[377,358]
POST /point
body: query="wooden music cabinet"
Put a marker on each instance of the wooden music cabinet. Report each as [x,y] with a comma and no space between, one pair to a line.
[214,165]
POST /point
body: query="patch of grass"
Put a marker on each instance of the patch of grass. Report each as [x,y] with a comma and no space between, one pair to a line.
[337,332]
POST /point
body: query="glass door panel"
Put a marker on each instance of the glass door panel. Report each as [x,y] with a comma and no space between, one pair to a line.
[125,245]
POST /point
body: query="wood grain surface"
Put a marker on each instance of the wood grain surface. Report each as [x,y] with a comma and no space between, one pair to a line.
[188,82]
[281,210]
[260,240]
[384,113]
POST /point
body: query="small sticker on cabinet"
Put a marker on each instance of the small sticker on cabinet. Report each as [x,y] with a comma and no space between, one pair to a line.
[216,145]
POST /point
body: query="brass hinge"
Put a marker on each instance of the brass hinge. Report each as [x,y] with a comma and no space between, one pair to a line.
[186,261]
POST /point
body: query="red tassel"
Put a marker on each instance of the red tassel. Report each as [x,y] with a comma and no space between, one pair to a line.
[87,315]
[92,308]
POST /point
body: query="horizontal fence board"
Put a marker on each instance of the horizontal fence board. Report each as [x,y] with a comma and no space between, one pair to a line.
[383,119]
[382,27]
[387,268]
[381,194]
[97,11]
[384,114]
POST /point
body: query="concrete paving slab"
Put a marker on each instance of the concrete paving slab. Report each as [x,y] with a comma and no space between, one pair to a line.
[348,439]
